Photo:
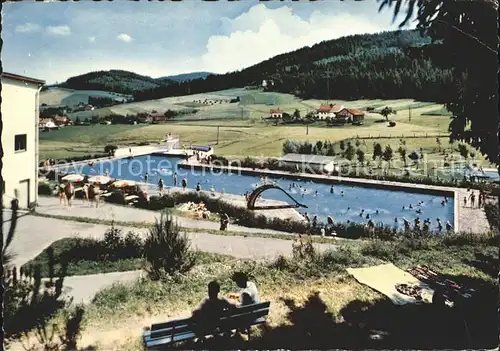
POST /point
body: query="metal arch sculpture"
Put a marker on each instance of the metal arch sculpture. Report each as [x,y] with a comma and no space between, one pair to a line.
[258,191]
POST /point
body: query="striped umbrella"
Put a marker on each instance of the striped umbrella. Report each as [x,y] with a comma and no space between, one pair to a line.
[73,178]
[123,183]
[100,179]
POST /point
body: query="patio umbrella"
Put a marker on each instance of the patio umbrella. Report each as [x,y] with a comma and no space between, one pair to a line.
[73,178]
[100,179]
[123,183]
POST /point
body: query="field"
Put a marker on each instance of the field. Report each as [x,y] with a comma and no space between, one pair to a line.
[242,132]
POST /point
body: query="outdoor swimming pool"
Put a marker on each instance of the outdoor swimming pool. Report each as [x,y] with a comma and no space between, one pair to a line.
[317,196]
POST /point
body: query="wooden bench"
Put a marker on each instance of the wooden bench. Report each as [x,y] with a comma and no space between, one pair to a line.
[165,334]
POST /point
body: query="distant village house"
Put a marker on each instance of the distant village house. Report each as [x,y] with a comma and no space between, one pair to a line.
[328,111]
[276,113]
[46,123]
[352,115]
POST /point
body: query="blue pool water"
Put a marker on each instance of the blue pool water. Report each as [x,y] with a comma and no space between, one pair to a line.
[316,196]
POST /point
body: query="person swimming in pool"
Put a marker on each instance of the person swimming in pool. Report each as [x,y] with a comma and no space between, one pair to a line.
[376,212]
[342,193]
[331,190]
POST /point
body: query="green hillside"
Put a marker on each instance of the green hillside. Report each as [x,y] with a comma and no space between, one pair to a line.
[114,80]
[369,66]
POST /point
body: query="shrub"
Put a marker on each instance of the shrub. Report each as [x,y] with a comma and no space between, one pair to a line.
[492,214]
[392,124]
[166,249]
[110,149]
[45,189]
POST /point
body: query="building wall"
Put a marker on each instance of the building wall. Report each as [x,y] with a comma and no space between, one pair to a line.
[324,115]
[20,116]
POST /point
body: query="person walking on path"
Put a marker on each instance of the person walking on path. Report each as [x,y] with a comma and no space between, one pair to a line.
[69,191]
[160,186]
[224,221]
[472,198]
[465,201]
[184,184]
[86,193]
[62,194]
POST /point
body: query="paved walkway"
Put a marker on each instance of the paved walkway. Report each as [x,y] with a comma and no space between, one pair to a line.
[33,234]
[470,219]
[106,211]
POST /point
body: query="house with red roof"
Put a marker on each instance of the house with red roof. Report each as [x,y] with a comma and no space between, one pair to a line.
[352,115]
[328,111]
[276,113]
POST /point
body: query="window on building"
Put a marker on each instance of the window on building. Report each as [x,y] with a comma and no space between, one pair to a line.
[20,142]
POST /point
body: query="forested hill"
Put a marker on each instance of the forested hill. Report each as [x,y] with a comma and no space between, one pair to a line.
[359,66]
[186,76]
[118,81]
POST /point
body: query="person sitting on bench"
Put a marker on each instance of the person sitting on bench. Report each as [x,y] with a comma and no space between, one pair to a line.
[210,310]
[249,293]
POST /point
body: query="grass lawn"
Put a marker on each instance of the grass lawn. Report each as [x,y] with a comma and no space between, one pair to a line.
[314,302]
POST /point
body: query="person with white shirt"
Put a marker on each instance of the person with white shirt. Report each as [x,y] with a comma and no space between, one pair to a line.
[249,293]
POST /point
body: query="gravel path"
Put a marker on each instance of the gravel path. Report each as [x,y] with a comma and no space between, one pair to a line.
[33,234]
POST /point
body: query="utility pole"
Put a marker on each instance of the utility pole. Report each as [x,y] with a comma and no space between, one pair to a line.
[409,113]
[307,126]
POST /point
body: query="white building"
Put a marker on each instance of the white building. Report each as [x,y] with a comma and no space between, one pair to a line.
[328,111]
[276,113]
[46,123]
[20,104]
[315,162]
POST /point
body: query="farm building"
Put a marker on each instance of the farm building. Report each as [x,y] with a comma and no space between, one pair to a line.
[62,121]
[352,115]
[46,123]
[328,111]
[315,162]
[276,113]
[20,110]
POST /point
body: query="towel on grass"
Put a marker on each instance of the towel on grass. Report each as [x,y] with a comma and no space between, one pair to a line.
[384,278]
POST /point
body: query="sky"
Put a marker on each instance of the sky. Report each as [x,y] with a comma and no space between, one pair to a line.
[53,41]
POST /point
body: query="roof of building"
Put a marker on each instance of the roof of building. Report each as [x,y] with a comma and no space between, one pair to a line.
[45,120]
[22,78]
[330,108]
[276,110]
[201,148]
[311,159]
[354,111]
